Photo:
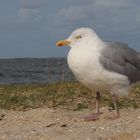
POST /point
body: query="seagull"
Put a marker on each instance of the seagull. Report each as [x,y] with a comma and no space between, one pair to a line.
[110,67]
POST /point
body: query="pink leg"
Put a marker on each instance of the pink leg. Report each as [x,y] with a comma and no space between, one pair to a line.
[116,114]
[95,116]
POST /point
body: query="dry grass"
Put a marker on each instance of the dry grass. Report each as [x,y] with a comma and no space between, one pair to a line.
[66,95]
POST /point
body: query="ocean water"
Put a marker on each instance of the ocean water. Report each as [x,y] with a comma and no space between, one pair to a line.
[34,70]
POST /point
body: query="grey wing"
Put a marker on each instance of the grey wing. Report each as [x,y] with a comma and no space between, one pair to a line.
[118,57]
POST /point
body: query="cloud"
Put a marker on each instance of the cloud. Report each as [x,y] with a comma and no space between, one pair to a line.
[29,24]
[101,13]
[7,22]
[90,8]
[28,15]
[29,18]
[25,18]
[138,15]
[111,3]
[33,4]
[95,13]
[73,13]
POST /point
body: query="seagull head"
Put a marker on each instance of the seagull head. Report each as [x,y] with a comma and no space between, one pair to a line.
[79,36]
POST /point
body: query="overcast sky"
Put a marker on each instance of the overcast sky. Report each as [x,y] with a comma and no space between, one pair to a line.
[30,28]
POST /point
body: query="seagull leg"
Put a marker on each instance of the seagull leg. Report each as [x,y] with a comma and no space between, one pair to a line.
[116,114]
[95,116]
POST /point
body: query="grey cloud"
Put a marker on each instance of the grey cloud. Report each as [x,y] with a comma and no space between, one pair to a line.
[102,13]
[40,23]
[33,4]
[28,16]
[111,3]
[8,22]
[138,15]
[73,13]
[24,19]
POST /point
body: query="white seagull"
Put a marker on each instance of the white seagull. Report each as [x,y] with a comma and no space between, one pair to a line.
[102,66]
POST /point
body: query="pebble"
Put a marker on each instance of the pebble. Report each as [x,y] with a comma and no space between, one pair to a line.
[58,119]
[64,125]
[70,130]
[103,108]
[94,128]
[102,128]
[51,124]
[118,131]
[4,136]
[1,117]
[118,123]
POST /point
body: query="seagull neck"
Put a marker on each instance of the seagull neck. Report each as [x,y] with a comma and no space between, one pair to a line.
[97,42]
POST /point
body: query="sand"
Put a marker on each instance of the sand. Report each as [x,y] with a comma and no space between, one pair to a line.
[61,124]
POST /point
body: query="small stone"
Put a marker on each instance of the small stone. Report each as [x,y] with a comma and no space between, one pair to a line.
[58,119]
[2,115]
[51,124]
[70,130]
[102,128]
[118,131]
[94,128]
[118,123]
[64,125]
[4,136]
[103,108]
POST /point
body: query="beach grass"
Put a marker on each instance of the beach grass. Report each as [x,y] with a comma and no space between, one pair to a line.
[69,95]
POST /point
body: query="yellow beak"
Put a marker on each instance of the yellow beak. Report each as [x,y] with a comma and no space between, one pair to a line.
[63,43]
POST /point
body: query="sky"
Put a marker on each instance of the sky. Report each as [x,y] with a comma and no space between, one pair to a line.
[30,28]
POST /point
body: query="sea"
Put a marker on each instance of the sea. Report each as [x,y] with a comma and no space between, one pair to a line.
[34,71]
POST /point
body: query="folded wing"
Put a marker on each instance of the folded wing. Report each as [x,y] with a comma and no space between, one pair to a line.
[118,57]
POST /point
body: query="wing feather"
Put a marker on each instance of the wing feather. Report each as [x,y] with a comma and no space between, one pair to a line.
[119,58]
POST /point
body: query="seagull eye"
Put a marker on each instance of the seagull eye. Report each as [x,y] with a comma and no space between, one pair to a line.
[78,37]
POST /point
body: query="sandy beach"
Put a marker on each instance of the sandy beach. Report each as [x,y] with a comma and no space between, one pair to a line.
[60,124]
